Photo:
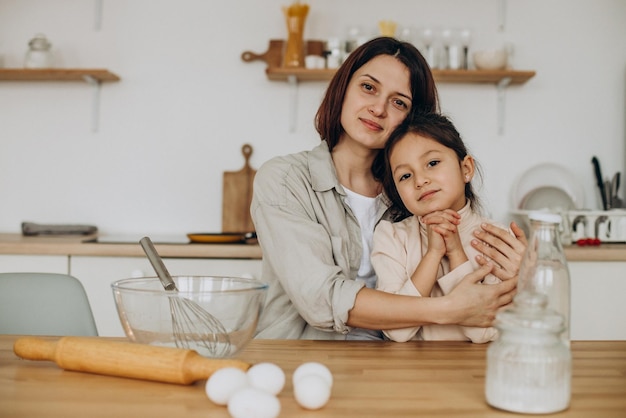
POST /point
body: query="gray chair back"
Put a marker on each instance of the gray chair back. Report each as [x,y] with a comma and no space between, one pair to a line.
[44,304]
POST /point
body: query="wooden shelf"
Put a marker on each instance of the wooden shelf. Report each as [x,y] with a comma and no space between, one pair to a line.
[94,77]
[442,76]
[56,74]
[501,79]
[482,76]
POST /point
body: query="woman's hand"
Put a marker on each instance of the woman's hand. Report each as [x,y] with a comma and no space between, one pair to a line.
[505,250]
[475,304]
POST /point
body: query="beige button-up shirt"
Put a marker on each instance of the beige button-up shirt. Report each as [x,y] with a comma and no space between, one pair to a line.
[311,243]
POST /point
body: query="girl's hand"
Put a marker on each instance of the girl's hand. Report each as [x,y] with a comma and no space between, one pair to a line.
[436,244]
[445,223]
[505,250]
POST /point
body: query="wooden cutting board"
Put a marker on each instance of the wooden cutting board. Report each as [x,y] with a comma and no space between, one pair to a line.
[237,196]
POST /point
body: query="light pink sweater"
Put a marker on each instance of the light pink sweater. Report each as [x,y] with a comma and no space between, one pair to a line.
[397,250]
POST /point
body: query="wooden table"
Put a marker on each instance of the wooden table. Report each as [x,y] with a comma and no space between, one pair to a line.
[372,379]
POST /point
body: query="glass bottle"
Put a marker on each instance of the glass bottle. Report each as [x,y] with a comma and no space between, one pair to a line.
[38,54]
[529,367]
[544,267]
[295,16]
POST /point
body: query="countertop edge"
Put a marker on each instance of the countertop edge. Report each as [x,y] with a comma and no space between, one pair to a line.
[17,244]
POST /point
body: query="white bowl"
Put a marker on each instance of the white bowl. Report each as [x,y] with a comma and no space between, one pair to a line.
[492,59]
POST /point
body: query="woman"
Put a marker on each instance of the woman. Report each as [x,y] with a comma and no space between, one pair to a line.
[315,211]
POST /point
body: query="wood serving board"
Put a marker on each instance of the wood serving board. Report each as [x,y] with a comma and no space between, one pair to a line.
[237,196]
[274,55]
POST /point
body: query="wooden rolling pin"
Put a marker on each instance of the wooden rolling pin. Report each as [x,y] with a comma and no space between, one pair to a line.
[123,359]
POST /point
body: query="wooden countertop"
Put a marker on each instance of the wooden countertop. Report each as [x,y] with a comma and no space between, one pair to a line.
[371,379]
[77,245]
[80,245]
[605,252]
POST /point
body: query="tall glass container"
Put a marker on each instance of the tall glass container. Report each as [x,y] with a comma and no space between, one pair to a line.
[544,267]
[295,16]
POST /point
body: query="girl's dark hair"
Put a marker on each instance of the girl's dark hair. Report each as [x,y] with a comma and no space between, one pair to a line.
[439,128]
[423,90]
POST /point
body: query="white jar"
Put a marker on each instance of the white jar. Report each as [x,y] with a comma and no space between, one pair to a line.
[334,52]
[529,365]
[39,54]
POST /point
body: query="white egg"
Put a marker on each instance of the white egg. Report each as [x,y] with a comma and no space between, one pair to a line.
[253,403]
[267,376]
[312,391]
[315,368]
[223,383]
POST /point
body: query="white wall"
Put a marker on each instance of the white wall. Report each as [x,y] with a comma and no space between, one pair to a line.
[186,101]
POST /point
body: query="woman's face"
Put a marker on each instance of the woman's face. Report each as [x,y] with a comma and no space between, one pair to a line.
[428,175]
[378,98]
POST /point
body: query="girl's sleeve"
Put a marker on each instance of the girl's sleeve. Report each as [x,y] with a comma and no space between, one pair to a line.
[390,260]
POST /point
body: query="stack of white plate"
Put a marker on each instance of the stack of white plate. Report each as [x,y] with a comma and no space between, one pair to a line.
[547,187]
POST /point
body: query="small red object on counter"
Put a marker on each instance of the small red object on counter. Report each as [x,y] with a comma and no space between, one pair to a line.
[583,242]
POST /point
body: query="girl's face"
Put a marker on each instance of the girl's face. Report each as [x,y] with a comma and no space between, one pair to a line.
[378,98]
[429,176]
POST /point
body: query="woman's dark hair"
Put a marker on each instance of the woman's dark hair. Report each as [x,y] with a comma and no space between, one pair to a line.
[423,90]
[438,128]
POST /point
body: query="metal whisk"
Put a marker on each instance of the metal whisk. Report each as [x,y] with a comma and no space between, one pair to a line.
[193,327]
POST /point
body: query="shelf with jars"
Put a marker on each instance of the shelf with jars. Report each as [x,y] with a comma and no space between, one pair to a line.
[275,71]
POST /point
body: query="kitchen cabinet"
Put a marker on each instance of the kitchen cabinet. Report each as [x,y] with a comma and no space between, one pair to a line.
[93,77]
[33,264]
[97,273]
[598,311]
[598,274]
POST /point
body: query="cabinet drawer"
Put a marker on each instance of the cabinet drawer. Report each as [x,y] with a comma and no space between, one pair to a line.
[34,264]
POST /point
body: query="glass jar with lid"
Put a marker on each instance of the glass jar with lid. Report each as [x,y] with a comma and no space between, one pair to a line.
[529,365]
[39,54]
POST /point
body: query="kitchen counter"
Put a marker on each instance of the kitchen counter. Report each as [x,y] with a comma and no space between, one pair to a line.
[79,245]
[371,379]
[605,252]
[83,245]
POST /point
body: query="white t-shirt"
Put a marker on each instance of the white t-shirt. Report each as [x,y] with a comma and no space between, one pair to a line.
[365,209]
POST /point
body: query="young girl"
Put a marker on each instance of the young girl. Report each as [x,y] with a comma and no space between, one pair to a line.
[427,177]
